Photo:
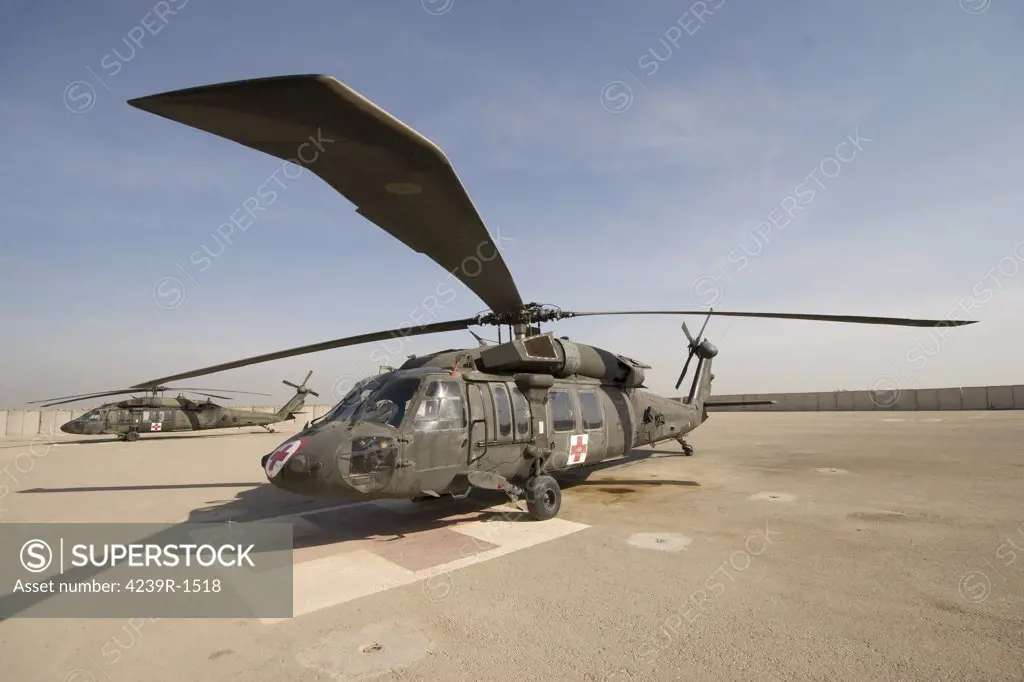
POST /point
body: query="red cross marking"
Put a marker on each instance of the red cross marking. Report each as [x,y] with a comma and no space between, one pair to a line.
[281,455]
[578,448]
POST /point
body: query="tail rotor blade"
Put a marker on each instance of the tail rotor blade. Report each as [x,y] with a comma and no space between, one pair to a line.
[705,326]
[689,337]
[686,365]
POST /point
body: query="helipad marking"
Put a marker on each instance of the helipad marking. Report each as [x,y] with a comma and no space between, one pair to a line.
[330,581]
[340,578]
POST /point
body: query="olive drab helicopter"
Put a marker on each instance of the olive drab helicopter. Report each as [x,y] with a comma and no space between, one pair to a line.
[500,417]
[129,418]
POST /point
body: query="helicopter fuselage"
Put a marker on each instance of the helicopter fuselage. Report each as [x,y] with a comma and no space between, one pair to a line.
[120,418]
[422,429]
[127,419]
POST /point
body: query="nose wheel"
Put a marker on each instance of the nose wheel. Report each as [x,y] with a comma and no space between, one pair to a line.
[687,448]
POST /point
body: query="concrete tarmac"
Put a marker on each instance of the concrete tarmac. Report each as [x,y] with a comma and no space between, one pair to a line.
[792,546]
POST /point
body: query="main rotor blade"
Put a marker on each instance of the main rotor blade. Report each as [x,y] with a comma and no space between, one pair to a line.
[211,395]
[434,328]
[854,319]
[85,396]
[222,390]
[397,178]
[63,400]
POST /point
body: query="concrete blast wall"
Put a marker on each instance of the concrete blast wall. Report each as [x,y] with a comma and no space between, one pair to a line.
[44,422]
[921,399]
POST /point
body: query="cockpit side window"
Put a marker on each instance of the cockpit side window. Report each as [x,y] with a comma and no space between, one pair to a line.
[442,408]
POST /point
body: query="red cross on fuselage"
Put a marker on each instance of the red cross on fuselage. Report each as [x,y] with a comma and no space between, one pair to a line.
[284,452]
[278,456]
[578,448]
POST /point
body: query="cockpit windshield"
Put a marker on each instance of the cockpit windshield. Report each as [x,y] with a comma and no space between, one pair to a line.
[344,409]
[383,399]
[96,415]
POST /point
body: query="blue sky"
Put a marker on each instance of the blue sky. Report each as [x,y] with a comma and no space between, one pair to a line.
[630,154]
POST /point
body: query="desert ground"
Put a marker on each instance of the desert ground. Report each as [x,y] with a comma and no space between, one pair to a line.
[791,546]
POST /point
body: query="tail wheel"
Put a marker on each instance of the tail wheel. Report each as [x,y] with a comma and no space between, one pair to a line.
[543,498]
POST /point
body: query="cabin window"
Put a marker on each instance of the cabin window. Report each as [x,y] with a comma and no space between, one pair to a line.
[521,408]
[503,409]
[145,415]
[590,410]
[488,415]
[442,408]
[563,417]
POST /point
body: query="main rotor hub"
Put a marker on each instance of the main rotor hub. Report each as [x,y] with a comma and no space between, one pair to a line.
[526,315]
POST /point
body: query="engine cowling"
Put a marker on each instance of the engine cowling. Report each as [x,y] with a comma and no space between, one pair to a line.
[562,358]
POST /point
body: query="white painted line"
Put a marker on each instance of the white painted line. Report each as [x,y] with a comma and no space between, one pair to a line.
[342,577]
[894,420]
[514,535]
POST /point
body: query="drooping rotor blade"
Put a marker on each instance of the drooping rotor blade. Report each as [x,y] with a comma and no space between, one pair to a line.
[85,396]
[210,395]
[397,178]
[222,390]
[80,395]
[854,319]
[401,332]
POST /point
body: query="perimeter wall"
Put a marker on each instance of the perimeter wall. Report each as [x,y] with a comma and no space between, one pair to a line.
[28,423]
[1010,397]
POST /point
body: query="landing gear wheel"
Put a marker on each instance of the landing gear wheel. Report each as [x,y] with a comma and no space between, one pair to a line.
[687,450]
[131,436]
[543,498]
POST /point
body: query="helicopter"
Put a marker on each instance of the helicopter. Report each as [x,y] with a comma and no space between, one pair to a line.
[155,414]
[503,416]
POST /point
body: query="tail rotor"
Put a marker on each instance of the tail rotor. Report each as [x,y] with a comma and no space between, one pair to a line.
[694,345]
[301,388]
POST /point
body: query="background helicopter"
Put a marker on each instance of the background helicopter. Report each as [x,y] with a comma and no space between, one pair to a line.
[153,413]
[500,417]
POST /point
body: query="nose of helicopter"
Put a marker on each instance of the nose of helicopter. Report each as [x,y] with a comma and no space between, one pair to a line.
[298,465]
[69,427]
[335,461]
